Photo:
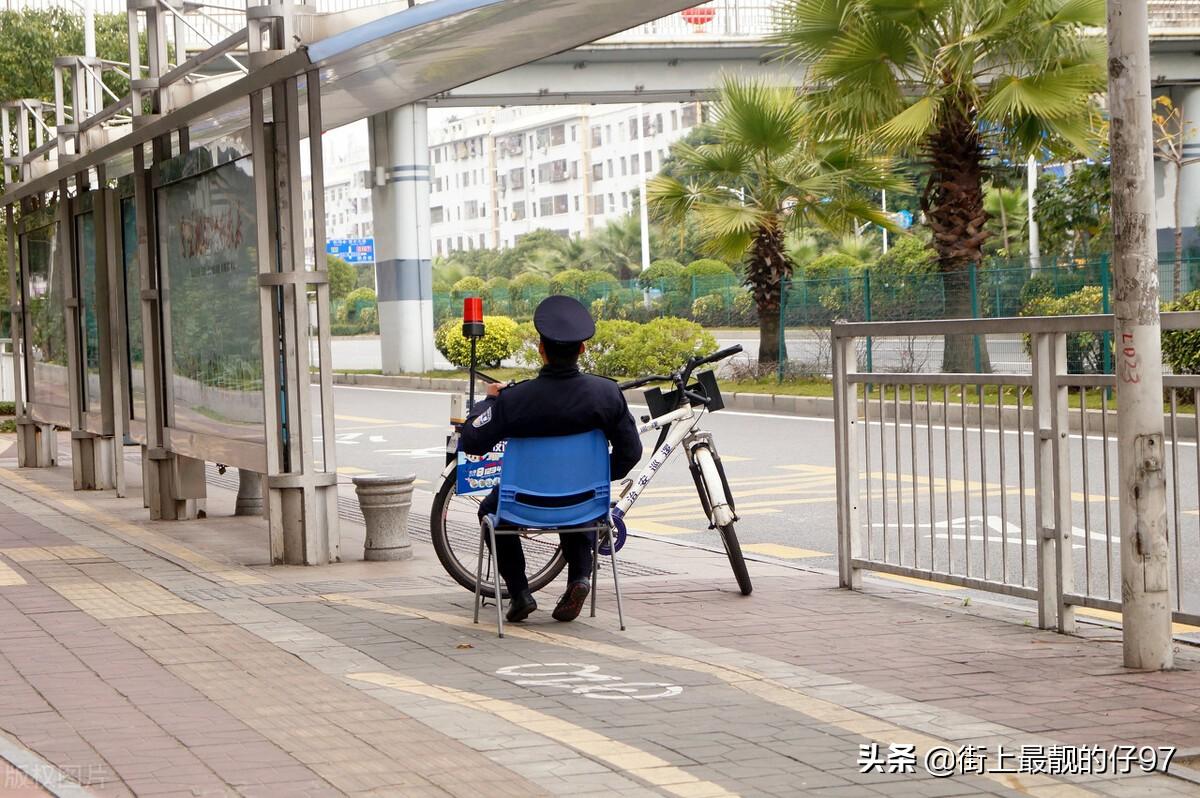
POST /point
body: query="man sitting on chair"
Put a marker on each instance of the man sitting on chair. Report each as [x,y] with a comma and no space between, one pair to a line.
[561,400]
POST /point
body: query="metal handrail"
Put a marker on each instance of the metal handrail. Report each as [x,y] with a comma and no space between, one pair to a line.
[1096,322]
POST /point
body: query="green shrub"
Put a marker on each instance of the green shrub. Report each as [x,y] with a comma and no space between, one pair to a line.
[583,284]
[354,304]
[619,303]
[831,266]
[1039,285]
[1181,348]
[606,354]
[500,340]
[709,310]
[525,351]
[469,286]
[745,311]
[1084,349]
[525,291]
[662,274]
[661,346]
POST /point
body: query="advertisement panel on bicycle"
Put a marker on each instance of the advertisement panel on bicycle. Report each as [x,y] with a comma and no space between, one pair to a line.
[479,474]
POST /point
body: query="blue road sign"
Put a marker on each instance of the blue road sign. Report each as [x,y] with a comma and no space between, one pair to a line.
[904,219]
[352,250]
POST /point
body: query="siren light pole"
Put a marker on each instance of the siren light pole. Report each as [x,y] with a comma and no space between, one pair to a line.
[472,329]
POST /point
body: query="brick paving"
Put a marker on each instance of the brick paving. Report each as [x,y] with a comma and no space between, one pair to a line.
[142,658]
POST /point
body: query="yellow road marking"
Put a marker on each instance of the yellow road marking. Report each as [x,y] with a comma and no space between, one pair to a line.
[1109,615]
[743,679]
[384,422]
[364,419]
[9,577]
[352,470]
[668,509]
[734,458]
[656,528]
[85,512]
[912,580]
[782,552]
[620,756]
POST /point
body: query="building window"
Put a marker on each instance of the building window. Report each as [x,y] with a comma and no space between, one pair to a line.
[625,200]
[574,132]
[633,127]
[597,171]
[635,163]
[624,167]
[481,244]
[597,204]
[675,120]
[439,247]
[518,211]
[546,205]
[437,214]
[610,167]
[551,136]
[612,203]
[689,115]
[561,203]
[516,178]
[509,145]
[652,125]
[577,202]
[472,209]
[597,138]
[553,171]
[649,161]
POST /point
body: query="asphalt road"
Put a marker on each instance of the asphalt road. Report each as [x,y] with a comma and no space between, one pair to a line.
[781,470]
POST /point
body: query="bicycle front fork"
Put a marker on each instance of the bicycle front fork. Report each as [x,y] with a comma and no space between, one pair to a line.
[709,475]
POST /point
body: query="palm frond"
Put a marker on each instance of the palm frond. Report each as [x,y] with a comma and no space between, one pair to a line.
[911,125]
[1055,95]
[1088,13]
[754,114]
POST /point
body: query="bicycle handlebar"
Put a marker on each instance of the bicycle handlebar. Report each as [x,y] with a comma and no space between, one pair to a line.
[720,354]
[640,381]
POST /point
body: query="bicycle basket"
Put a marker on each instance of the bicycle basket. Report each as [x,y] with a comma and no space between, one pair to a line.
[706,385]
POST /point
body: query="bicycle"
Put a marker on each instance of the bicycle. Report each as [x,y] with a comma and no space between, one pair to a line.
[675,415]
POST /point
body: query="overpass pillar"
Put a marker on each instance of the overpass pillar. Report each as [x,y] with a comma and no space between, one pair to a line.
[400,209]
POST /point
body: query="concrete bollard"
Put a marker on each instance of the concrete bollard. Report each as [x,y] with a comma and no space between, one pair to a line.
[249,497]
[385,502]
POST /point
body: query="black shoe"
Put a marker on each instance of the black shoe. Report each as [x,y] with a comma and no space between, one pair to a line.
[571,603]
[520,606]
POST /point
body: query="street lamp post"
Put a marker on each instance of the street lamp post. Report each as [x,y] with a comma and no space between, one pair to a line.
[1145,571]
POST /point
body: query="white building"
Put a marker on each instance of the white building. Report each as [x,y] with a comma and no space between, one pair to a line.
[499,173]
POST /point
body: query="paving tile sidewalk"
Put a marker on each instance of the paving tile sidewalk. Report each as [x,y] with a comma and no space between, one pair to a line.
[143,658]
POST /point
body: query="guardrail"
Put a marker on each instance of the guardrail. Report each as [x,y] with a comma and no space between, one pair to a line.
[1003,482]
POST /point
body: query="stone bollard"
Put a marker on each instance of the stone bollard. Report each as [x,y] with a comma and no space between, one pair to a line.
[385,502]
[249,497]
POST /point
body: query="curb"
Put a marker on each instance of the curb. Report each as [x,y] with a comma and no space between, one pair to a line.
[812,406]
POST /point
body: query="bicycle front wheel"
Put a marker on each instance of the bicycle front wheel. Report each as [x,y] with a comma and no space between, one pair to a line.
[454,529]
[733,550]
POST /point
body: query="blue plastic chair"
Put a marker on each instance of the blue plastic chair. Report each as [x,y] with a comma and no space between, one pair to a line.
[557,485]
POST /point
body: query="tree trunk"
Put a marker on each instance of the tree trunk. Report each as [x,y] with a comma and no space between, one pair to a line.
[767,268]
[953,204]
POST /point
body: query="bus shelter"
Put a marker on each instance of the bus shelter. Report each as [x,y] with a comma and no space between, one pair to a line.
[160,291]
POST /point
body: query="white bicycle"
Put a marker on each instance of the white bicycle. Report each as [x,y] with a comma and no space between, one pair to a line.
[675,415]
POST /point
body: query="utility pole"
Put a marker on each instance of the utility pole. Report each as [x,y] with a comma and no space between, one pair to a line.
[643,205]
[1031,176]
[1145,572]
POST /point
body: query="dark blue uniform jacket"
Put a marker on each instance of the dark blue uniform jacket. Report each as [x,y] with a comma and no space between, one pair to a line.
[560,401]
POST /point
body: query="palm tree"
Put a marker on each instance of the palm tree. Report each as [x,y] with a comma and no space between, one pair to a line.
[617,247]
[960,84]
[765,176]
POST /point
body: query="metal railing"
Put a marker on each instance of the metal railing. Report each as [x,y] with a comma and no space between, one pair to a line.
[1003,482]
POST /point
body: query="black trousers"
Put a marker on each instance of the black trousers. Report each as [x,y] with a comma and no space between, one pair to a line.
[576,546]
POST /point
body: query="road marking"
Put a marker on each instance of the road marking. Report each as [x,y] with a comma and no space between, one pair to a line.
[1109,615]
[365,419]
[912,580]
[617,755]
[782,552]
[638,524]
[734,458]
[9,577]
[740,678]
[353,471]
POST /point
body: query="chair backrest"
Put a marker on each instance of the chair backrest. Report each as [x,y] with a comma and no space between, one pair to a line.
[561,481]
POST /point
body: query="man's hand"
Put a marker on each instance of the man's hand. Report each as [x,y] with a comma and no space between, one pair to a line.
[494,388]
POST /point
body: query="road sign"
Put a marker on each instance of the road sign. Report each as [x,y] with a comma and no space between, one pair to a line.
[904,219]
[352,250]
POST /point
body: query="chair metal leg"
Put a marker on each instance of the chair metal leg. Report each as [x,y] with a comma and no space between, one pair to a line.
[612,547]
[483,525]
[595,568]
[496,579]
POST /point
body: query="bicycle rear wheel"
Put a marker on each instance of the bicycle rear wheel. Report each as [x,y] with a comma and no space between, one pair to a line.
[454,529]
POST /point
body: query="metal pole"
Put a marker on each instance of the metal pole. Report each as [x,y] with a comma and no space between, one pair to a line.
[643,204]
[883,207]
[1142,486]
[1035,255]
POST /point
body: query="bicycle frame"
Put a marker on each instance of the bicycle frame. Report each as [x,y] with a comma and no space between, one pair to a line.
[682,434]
